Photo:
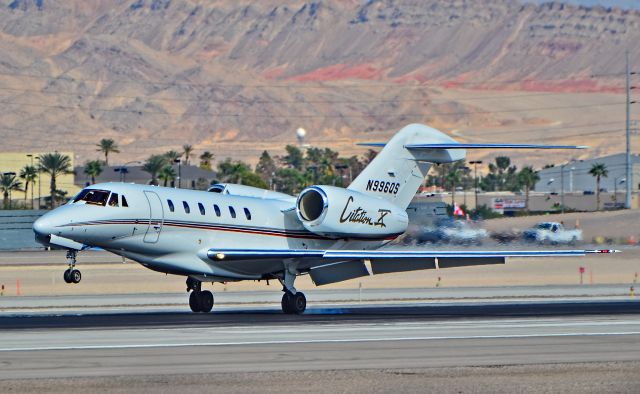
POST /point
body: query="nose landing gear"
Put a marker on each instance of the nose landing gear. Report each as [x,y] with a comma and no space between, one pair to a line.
[199,300]
[72,275]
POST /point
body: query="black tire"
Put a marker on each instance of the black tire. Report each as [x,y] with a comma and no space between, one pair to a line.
[67,276]
[287,303]
[298,303]
[75,276]
[194,302]
[206,301]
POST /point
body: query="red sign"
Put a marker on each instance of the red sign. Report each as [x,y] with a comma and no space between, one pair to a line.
[582,270]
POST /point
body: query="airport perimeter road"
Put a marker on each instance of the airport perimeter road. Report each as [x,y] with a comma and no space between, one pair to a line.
[406,345]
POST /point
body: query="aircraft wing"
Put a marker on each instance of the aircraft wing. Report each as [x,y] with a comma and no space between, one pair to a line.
[330,266]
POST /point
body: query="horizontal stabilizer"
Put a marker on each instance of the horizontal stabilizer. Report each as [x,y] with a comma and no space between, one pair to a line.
[456,145]
[492,146]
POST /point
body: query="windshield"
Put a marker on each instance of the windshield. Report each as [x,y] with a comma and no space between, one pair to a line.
[93,196]
[544,226]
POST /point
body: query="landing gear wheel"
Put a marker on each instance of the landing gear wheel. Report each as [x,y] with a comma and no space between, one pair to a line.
[67,276]
[294,303]
[286,302]
[72,275]
[206,301]
[75,276]
[299,303]
[194,302]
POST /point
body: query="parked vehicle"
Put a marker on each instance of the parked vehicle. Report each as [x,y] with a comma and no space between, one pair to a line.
[553,233]
[445,231]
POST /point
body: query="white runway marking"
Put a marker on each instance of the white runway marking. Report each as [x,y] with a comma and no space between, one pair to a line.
[312,341]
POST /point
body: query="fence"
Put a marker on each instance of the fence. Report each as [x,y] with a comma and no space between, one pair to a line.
[16,231]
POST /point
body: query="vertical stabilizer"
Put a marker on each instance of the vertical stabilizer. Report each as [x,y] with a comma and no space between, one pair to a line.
[396,173]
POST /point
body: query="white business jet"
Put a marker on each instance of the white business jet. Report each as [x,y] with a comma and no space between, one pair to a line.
[234,232]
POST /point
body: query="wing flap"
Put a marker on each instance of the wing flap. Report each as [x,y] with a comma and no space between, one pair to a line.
[453,262]
[338,272]
[386,266]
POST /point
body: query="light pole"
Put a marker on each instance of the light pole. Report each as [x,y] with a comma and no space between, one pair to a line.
[10,198]
[32,186]
[562,188]
[179,172]
[615,189]
[571,179]
[475,180]
[39,184]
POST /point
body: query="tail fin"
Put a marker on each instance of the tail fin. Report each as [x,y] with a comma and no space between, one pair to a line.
[400,167]
[397,172]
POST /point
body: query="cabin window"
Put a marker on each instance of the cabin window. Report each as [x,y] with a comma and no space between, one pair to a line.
[113,200]
[96,197]
[186,207]
[201,208]
[217,209]
[124,202]
[247,213]
[170,203]
[232,212]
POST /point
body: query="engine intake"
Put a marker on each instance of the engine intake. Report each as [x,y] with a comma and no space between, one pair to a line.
[312,203]
[342,213]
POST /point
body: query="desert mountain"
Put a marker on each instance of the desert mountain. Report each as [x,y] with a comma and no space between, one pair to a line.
[236,77]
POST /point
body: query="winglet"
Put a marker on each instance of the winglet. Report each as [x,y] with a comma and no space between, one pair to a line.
[598,251]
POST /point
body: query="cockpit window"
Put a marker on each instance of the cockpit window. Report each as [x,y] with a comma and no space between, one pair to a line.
[95,197]
[80,195]
[124,202]
[201,208]
[113,200]
[186,207]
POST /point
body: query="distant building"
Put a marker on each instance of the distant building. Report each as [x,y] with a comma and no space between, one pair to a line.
[16,161]
[576,178]
[192,177]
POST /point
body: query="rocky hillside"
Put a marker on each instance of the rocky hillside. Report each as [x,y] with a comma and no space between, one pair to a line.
[154,74]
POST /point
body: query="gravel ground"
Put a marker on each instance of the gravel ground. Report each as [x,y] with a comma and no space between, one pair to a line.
[551,378]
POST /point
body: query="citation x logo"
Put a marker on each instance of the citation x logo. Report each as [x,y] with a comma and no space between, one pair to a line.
[359,215]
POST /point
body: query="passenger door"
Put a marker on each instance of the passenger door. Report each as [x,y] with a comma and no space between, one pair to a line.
[156,217]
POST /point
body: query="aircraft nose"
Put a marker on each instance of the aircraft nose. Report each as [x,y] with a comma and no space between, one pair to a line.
[43,226]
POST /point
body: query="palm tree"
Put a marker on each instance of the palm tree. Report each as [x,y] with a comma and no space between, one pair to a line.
[527,177]
[29,174]
[8,182]
[453,178]
[205,160]
[187,149]
[153,165]
[172,156]
[54,164]
[167,174]
[93,168]
[598,170]
[107,145]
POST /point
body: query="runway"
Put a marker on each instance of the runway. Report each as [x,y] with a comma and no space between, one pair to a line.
[422,338]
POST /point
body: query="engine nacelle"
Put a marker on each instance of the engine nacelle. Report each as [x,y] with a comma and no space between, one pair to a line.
[341,213]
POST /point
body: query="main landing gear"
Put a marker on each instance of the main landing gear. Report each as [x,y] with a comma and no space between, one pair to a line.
[199,300]
[72,275]
[293,302]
